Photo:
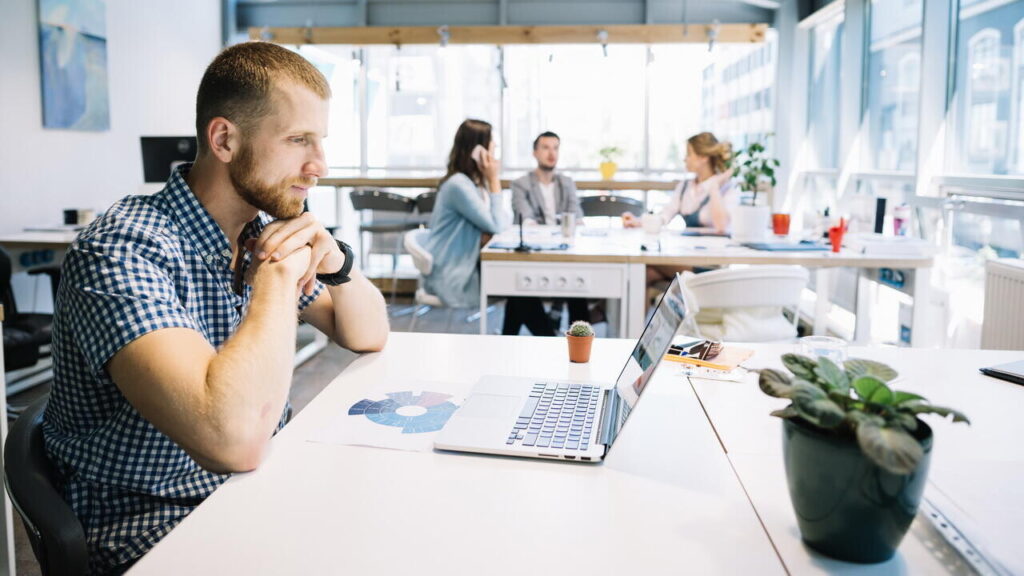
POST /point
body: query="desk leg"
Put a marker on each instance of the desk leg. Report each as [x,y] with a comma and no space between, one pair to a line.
[822,302]
[922,331]
[633,306]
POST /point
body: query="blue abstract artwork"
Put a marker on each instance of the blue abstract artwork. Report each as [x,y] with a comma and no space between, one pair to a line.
[73,57]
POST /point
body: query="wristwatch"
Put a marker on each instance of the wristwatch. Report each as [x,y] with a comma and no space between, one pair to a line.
[341,276]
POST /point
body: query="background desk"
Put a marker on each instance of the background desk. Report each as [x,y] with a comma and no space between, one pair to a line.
[329,509]
[30,249]
[613,266]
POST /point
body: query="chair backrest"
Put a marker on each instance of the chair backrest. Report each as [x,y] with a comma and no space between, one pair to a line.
[54,531]
[380,200]
[425,202]
[748,287]
[610,205]
[421,258]
[6,292]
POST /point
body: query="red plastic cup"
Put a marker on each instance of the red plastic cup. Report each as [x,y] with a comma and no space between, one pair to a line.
[780,224]
[835,236]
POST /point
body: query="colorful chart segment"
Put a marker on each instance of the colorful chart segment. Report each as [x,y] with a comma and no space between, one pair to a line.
[385,412]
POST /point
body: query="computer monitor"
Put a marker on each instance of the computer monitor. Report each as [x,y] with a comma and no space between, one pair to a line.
[162,153]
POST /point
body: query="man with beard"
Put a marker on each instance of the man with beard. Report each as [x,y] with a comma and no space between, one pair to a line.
[174,328]
[542,197]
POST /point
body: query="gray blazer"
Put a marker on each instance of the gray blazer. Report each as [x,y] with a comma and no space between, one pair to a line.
[528,200]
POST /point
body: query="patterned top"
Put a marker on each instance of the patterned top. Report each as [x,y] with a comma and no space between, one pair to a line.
[150,262]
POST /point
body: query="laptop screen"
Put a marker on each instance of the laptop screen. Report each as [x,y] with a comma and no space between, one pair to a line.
[647,354]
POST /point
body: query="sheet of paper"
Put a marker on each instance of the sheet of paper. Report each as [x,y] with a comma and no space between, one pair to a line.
[407,418]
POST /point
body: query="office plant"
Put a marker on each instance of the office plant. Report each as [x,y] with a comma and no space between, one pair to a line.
[856,453]
[580,337]
[754,168]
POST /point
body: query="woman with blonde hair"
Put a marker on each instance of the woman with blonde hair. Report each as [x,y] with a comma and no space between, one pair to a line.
[707,199]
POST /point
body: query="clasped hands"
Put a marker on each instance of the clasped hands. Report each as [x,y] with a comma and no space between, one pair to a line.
[301,245]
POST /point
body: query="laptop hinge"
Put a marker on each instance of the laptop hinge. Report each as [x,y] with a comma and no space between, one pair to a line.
[610,407]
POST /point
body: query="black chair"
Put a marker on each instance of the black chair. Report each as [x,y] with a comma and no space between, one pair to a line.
[610,205]
[25,335]
[386,214]
[425,202]
[57,537]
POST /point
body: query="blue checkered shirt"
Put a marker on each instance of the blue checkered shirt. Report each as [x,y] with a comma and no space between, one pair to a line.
[150,262]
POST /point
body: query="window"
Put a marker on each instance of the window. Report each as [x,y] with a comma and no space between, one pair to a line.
[894,84]
[823,98]
[340,65]
[987,92]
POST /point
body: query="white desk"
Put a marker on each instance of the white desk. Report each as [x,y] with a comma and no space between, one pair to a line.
[328,509]
[976,475]
[31,249]
[613,266]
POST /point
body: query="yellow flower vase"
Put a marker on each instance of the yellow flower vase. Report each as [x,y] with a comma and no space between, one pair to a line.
[608,170]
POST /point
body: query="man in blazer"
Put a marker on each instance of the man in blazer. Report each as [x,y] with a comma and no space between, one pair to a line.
[540,197]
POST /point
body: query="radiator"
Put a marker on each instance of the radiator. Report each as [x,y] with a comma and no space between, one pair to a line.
[1003,325]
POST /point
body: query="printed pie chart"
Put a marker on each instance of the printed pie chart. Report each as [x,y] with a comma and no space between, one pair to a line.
[413,413]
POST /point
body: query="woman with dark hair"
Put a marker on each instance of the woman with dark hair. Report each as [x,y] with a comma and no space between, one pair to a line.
[468,211]
[705,201]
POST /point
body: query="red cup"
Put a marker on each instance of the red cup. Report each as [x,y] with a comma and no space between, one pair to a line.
[780,224]
[835,236]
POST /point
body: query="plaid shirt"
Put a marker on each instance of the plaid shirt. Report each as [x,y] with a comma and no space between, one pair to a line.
[151,262]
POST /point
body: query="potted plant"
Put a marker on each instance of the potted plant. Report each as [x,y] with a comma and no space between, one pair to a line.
[856,453]
[580,336]
[755,170]
[609,154]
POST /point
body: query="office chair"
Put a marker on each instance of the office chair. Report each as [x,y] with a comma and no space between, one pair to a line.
[397,218]
[26,336]
[747,302]
[57,537]
[610,205]
[424,262]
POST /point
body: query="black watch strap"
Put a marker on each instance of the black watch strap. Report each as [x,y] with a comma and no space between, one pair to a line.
[341,276]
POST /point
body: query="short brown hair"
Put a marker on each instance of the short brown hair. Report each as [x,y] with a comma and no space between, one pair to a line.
[238,84]
[718,152]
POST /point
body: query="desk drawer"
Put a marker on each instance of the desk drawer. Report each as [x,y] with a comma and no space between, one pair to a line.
[553,279]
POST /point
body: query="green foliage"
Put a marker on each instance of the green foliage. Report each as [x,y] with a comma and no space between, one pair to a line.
[581,328]
[753,165]
[610,153]
[856,401]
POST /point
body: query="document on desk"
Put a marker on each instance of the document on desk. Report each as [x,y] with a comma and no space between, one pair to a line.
[403,420]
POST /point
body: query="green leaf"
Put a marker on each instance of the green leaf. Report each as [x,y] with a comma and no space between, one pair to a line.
[893,449]
[814,405]
[924,408]
[901,397]
[882,394]
[858,418]
[856,367]
[775,383]
[800,366]
[787,412]
[904,420]
[831,375]
[865,385]
[776,162]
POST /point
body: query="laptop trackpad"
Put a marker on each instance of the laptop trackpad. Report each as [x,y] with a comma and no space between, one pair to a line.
[490,406]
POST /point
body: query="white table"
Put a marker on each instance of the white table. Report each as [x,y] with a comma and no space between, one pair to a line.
[613,266]
[328,509]
[669,509]
[977,472]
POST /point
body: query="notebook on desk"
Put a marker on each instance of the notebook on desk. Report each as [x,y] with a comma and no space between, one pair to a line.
[531,247]
[1011,372]
[577,421]
[803,246]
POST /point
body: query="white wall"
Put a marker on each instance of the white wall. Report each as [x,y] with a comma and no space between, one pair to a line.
[157,51]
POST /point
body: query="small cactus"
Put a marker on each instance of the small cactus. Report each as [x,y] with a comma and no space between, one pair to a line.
[581,328]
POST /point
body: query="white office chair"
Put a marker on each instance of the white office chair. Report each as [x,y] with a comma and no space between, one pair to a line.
[424,262]
[747,302]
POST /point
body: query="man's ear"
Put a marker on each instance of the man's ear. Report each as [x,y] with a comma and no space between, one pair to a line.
[223,137]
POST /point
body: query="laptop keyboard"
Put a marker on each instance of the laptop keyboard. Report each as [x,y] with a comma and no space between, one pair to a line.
[557,416]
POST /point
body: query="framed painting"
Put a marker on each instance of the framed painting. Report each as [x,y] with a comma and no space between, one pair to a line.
[73,59]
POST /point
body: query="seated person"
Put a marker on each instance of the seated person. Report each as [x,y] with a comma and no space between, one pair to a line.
[541,197]
[175,321]
[469,209]
[705,201]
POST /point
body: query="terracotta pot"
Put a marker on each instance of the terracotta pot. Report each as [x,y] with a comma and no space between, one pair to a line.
[579,348]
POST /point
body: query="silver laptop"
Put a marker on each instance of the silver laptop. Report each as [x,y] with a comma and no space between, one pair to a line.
[576,421]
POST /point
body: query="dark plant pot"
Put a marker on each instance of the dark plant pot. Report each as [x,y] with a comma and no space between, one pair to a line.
[846,506]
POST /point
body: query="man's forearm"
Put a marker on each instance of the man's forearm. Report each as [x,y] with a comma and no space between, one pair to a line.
[360,314]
